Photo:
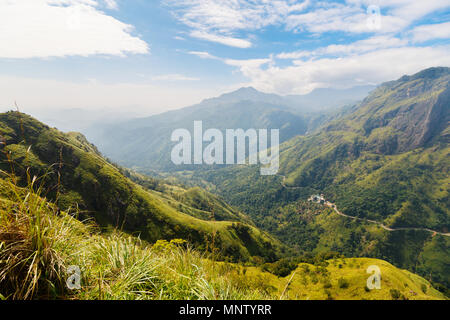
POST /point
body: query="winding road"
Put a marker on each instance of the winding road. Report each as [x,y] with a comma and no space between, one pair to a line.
[332,205]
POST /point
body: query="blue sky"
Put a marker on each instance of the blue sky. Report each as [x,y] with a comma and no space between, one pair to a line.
[151,56]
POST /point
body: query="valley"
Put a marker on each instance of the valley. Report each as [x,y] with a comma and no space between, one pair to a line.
[382,164]
[172,152]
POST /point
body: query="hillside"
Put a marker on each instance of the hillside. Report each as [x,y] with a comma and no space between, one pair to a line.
[401,131]
[385,160]
[38,243]
[75,175]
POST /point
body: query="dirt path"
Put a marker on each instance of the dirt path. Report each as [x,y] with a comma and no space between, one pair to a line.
[332,205]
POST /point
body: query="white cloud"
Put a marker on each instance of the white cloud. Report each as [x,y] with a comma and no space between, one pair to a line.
[145,98]
[221,21]
[228,41]
[203,55]
[225,21]
[58,28]
[368,68]
[352,16]
[111,4]
[173,77]
[247,67]
[361,46]
[244,66]
[431,31]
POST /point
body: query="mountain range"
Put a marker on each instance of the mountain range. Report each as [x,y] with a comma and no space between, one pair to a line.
[75,175]
[385,161]
[380,159]
[144,143]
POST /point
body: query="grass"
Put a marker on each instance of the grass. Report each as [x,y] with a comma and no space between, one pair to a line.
[105,192]
[38,244]
[32,243]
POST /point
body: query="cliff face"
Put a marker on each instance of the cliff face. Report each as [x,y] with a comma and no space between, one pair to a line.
[406,114]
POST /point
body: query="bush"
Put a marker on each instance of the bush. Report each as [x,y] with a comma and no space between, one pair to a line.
[327,284]
[395,294]
[281,268]
[424,288]
[343,283]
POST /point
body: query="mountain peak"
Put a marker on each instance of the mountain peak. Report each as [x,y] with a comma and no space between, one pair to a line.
[247,94]
[246,90]
[430,73]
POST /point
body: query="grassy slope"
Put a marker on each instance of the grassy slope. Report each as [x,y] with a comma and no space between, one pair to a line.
[410,189]
[39,242]
[388,160]
[101,190]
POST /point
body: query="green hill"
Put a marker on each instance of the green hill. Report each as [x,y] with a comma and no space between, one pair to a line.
[386,160]
[74,174]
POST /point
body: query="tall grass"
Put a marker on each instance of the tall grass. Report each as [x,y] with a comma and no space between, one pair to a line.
[38,243]
[31,242]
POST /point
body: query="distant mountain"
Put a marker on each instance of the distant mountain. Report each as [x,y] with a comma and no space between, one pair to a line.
[317,101]
[401,130]
[246,94]
[402,115]
[144,143]
[327,99]
[385,159]
[81,119]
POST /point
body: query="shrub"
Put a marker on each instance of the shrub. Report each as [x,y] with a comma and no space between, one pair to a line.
[327,284]
[281,268]
[424,288]
[395,294]
[343,283]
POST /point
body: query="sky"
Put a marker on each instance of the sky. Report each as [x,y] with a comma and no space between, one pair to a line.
[148,56]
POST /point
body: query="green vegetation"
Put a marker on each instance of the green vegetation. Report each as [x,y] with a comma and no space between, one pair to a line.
[75,175]
[39,243]
[385,160]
